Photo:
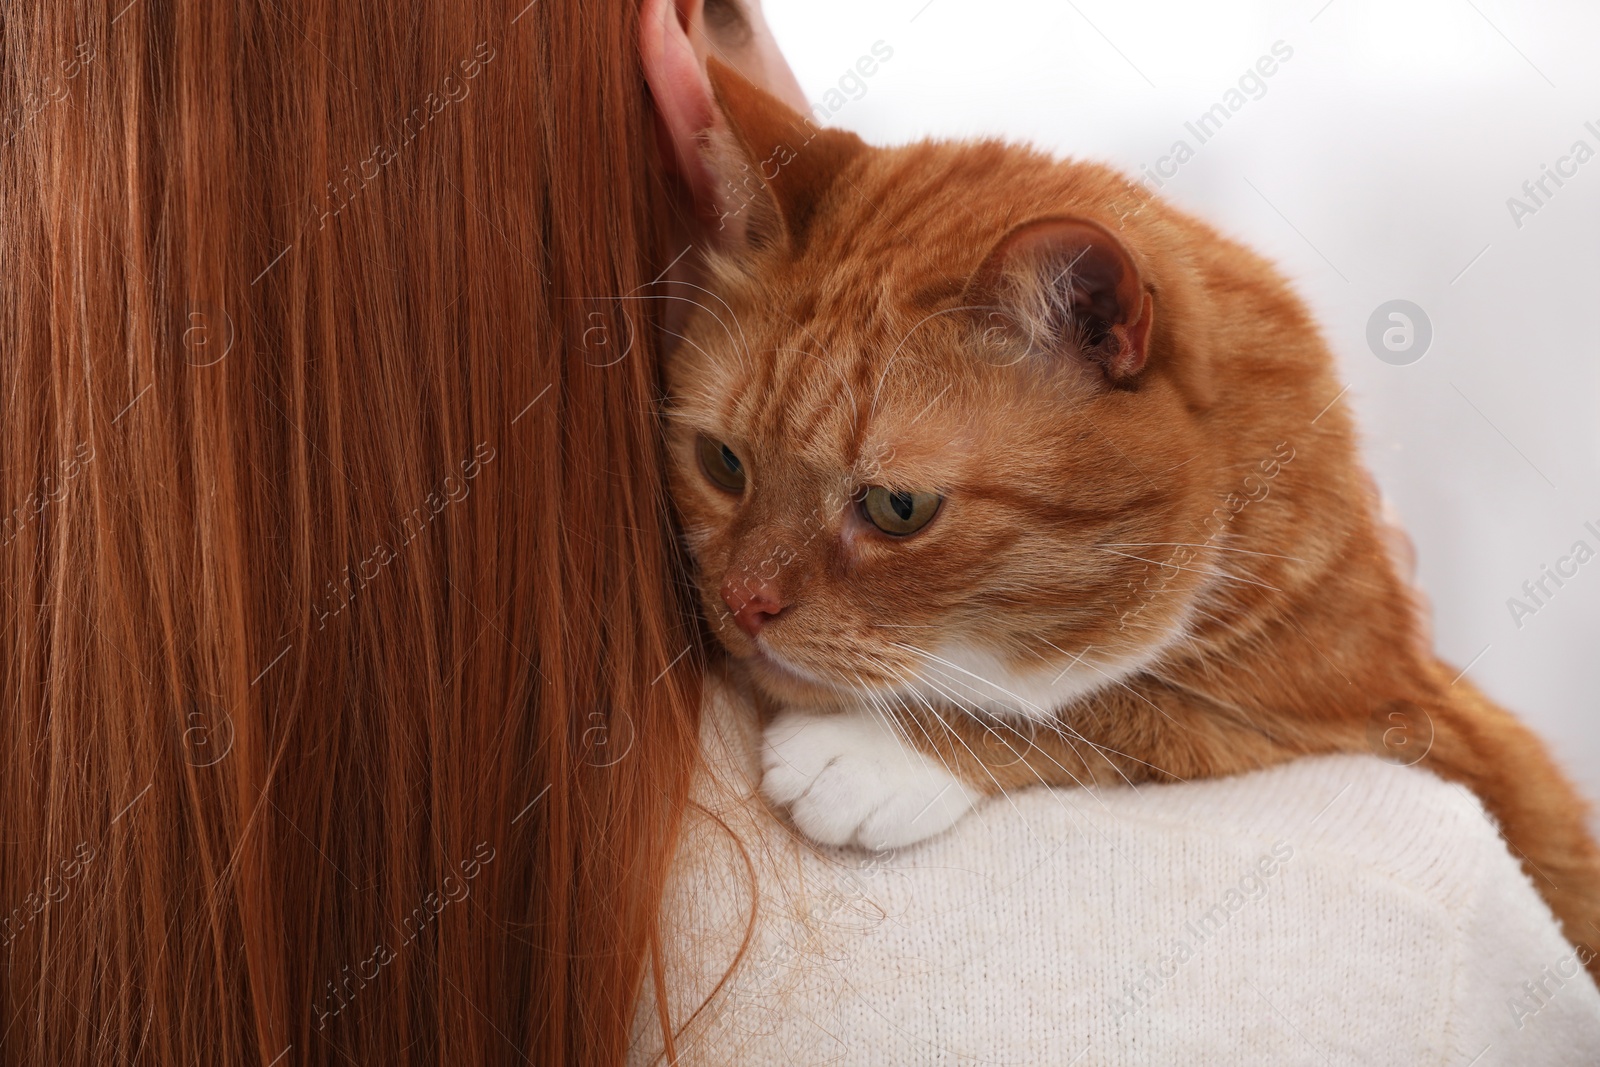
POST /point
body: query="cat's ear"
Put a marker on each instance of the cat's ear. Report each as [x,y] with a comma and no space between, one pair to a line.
[754,166]
[773,164]
[1070,283]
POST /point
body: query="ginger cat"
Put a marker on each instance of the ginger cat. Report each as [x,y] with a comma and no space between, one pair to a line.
[997,470]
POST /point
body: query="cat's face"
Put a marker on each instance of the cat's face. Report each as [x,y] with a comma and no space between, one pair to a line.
[896,477]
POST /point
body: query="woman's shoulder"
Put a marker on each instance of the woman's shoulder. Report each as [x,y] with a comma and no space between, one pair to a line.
[1335,909]
[1392,821]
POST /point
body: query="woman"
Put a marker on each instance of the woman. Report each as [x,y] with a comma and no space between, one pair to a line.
[351,700]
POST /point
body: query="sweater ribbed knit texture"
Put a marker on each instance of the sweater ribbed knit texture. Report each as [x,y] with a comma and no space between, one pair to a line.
[1333,911]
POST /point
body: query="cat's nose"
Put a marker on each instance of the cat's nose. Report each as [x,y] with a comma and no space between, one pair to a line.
[753,601]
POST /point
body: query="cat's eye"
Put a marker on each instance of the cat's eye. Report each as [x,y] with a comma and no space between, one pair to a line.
[725,469]
[896,512]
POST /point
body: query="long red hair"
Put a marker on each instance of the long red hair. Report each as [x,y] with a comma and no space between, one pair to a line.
[349,691]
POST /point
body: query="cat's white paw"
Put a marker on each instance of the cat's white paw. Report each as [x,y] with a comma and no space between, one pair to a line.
[849,780]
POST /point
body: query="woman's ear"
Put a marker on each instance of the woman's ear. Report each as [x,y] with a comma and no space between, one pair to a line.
[685,106]
[754,166]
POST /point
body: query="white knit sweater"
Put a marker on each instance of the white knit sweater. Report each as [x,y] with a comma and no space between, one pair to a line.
[1334,911]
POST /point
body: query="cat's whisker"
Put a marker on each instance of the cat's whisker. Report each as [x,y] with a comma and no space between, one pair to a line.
[705,396]
[1048,716]
[1243,714]
[686,340]
[935,663]
[995,686]
[1079,658]
[932,746]
[1159,710]
[1064,729]
[878,711]
[999,786]
[1180,466]
[690,300]
[1063,651]
[1068,735]
[879,698]
[935,751]
[1230,577]
[863,693]
[895,722]
[983,714]
[744,344]
[1061,799]
[956,735]
[1198,610]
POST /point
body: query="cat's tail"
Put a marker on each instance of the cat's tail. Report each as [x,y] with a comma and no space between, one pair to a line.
[1542,817]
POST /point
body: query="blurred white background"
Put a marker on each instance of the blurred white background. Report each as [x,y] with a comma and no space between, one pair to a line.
[1375,163]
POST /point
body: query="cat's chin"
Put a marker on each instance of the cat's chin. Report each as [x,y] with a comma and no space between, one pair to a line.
[791,684]
[780,677]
